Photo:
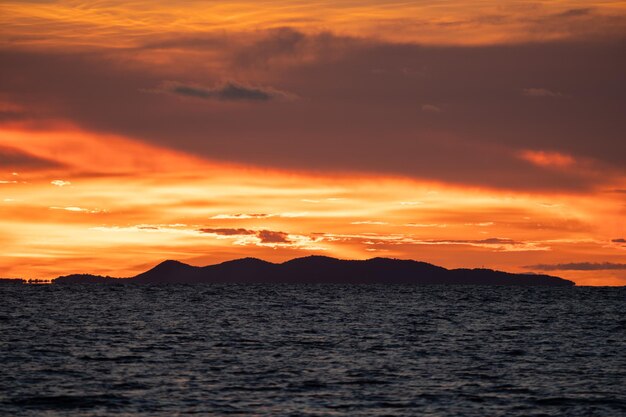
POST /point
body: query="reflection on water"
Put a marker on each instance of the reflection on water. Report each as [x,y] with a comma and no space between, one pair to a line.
[311,350]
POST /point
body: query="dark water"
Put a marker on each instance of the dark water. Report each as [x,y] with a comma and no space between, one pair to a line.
[312,350]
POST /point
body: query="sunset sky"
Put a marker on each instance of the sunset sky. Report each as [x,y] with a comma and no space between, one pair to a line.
[464,134]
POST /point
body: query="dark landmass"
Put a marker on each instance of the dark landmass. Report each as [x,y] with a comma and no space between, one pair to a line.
[11,281]
[320,270]
[89,279]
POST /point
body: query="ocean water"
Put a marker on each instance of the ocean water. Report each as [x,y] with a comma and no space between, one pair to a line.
[326,350]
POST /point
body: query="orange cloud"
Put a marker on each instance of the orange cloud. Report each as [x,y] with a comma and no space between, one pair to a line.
[548,159]
[55,23]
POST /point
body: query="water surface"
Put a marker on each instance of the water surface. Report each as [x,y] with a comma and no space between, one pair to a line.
[312,350]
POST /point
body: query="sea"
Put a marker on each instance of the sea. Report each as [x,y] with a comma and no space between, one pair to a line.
[312,350]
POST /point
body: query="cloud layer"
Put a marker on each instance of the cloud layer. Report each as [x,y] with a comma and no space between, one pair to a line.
[578,266]
[11,158]
[452,114]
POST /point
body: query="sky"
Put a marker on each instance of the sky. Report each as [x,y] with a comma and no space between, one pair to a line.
[464,134]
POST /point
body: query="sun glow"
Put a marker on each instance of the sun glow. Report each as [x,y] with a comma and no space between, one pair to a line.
[146,204]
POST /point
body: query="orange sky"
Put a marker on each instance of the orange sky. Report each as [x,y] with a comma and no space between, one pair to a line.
[81,23]
[134,132]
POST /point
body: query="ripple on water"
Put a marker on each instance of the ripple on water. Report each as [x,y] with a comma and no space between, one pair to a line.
[312,351]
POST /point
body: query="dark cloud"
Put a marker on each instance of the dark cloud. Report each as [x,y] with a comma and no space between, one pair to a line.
[575,12]
[497,241]
[577,24]
[13,158]
[267,236]
[229,232]
[490,241]
[620,240]
[263,50]
[229,91]
[272,45]
[351,118]
[578,266]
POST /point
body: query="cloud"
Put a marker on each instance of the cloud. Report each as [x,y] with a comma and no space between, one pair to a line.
[175,228]
[431,108]
[540,92]
[13,158]
[481,224]
[498,244]
[620,240]
[267,236]
[78,209]
[242,216]
[485,22]
[229,91]
[425,225]
[578,266]
[264,236]
[353,120]
[547,159]
[494,244]
[228,232]
[496,241]
[574,13]
[60,183]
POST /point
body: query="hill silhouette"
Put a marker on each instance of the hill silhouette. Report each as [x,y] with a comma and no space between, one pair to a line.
[320,270]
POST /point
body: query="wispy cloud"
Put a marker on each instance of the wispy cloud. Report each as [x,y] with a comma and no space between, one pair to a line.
[578,12]
[578,266]
[78,209]
[540,92]
[228,91]
[481,224]
[426,225]
[242,216]
[246,216]
[431,108]
[229,232]
[547,159]
[18,159]
[495,243]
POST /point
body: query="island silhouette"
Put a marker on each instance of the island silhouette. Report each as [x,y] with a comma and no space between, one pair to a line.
[319,270]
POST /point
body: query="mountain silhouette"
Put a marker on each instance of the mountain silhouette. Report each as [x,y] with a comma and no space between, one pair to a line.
[320,270]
